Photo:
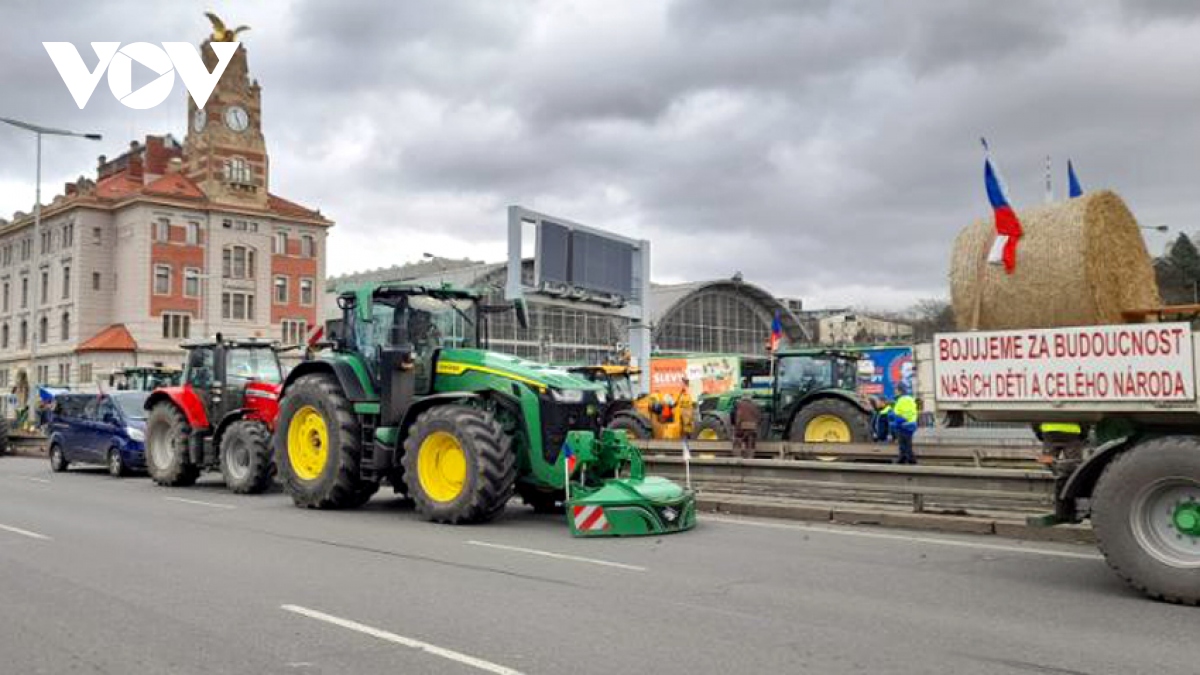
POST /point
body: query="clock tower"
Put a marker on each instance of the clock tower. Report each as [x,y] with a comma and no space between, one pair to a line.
[224,152]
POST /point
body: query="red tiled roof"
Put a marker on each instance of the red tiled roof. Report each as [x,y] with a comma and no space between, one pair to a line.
[115,338]
[285,208]
[117,185]
[174,185]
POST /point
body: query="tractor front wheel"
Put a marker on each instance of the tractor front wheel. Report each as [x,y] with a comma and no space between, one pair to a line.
[830,421]
[246,457]
[318,445]
[712,428]
[167,434]
[635,427]
[459,465]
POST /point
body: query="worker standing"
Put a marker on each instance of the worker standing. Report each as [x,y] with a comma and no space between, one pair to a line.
[686,408]
[746,417]
[881,419]
[904,423]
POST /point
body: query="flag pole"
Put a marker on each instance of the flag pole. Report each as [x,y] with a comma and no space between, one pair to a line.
[566,474]
[1049,188]
[687,463]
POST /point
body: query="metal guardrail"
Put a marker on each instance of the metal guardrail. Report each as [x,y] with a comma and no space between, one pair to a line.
[956,488]
[977,455]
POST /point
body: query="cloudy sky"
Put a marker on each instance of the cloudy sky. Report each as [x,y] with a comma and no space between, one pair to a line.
[827,150]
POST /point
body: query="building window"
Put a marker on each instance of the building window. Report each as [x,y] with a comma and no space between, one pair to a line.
[308,246]
[227,224]
[66,282]
[4,337]
[193,234]
[85,373]
[237,306]
[306,292]
[191,282]
[8,254]
[280,243]
[43,330]
[24,292]
[68,235]
[294,331]
[43,373]
[97,236]
[64,373]
[254,227]
[66,326]
[6,289]
[237,262]
[47,241]
[162,279]
[4,378]
[45,286]
[240,225]
[23,334]
[95,281]
[281,290]
[162,229]
[176,326]
[237,171]
[26,248]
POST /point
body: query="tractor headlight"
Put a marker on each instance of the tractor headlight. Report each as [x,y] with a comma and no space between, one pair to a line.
[567,395]
[136,434]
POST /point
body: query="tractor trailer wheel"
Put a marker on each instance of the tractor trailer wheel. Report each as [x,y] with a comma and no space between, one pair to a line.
[712,428]
[1146,514]
[637,428]
[167,434]
[830,420]
[459,465]
[318,445]
[246,457]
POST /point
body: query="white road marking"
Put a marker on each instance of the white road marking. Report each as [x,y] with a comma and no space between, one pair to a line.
[199,503]
[558,556]
[24,533]
[404,641]
[34,479]
[900,537]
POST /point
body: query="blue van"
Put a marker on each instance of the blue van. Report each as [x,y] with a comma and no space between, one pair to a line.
[104,429]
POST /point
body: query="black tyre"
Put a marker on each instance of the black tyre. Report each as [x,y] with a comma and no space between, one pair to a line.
[634,425]
[1145,511]
[4,429]
[830,420]
[459,465]
[58,461]
[167,434]
[116,465]
[364,494]
[318,445]
[712,428]
[542,501]
[247,460]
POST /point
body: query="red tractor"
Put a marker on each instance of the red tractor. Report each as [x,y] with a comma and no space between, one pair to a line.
[220,418]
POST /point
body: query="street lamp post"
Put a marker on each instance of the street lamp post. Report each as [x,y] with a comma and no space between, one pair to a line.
[39,131]
[1156,228]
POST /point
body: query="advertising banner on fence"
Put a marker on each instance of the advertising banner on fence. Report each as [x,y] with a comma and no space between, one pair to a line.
[704,374]
[1145,362]
[892,365]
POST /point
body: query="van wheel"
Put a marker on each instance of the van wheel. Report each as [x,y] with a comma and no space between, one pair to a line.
[58,462]
[116,465]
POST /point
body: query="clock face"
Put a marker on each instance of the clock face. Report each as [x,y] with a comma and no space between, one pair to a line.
[236,118]
[199,119]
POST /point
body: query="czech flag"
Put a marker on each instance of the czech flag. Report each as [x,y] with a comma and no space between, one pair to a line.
[776,331]
[1008,228]
[570,460]
[1076,190]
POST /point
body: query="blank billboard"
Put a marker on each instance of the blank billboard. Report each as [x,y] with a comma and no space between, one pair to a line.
[601,264]
[554,253]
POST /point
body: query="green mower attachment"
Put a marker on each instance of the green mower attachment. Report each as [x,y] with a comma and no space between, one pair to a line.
[621,506]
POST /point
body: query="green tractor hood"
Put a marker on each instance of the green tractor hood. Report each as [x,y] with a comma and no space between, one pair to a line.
[539,376]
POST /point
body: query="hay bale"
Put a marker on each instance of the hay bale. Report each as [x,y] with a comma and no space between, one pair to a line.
[1080,262]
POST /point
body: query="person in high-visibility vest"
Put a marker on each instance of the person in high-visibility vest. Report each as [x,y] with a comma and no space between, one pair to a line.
[904,423]
[881,419]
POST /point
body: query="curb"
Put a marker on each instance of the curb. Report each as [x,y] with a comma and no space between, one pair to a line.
[937,522]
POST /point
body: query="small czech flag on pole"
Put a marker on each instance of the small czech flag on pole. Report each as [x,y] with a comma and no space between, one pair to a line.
[776,332]
[569,461]
[1008,227]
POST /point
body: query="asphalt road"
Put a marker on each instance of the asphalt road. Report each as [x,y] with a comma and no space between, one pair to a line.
[99,575]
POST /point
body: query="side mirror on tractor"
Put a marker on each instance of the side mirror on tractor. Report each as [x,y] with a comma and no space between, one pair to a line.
[522,311]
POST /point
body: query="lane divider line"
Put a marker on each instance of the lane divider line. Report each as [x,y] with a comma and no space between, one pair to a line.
[199,503]
[900,537]
[411,643]
[25,533]
[34,479]
[558,556]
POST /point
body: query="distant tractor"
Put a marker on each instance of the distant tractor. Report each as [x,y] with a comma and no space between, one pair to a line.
[622,411]
[407,394]
[219,418]
[812,399]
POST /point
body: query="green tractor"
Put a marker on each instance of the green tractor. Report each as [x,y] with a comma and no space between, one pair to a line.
[812,399]
[406,393]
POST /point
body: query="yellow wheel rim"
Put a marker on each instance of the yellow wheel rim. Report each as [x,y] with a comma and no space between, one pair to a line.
[707,435]
[827,429]
[308,443]
[441,466]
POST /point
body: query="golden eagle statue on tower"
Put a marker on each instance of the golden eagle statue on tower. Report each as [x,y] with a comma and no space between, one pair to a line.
[220,32]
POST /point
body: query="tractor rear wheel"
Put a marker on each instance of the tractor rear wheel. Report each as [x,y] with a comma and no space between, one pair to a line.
[167,434]
[712,428]
[246,457]
[459,465]
[1146,514]
[830,420]
[318,445]
[637,428]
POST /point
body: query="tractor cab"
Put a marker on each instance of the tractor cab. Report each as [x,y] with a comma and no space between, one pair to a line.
[617,380]
[222,373]
[144,378]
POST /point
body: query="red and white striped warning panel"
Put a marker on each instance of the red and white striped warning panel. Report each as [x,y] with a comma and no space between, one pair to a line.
[590,519]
